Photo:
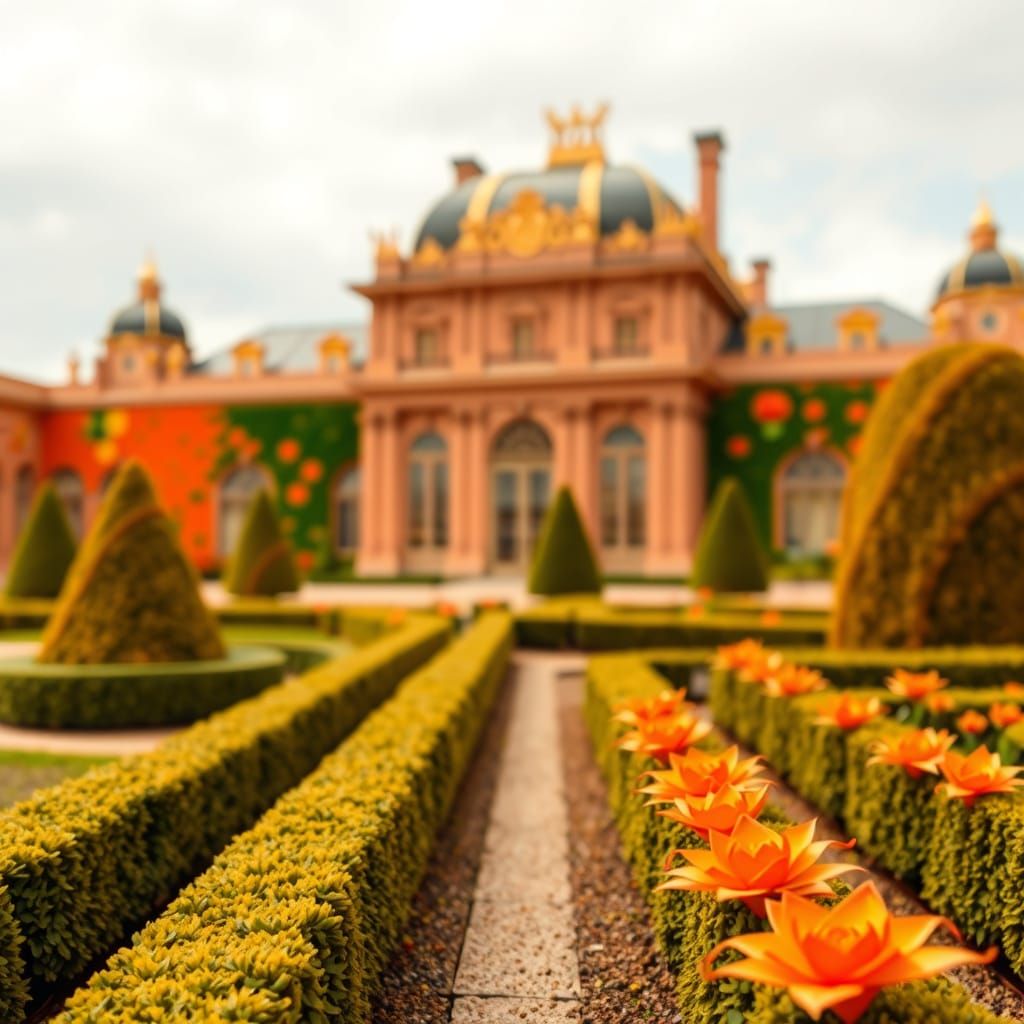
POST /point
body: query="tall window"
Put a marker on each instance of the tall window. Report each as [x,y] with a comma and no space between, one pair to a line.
[522,338]
[623,489]
[427,347]
[346,503]
[24,488]
[811,489]
[68,485]
[237,490]
[627,335]
[428,492]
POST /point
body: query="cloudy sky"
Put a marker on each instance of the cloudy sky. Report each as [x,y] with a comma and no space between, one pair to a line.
[253,145]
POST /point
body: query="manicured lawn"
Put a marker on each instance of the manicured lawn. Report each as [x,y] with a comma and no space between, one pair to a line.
[23,772]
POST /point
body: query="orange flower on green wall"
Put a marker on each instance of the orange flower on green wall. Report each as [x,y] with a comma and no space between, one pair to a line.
[738,446]
[814,410]
[296,493]
[288,450]
[311,470]
[771,409]
[857,412]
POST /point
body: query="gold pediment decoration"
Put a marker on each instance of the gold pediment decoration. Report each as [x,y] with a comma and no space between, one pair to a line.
[673,223]
[527,227]
[429,254]
[629,238]
[248,349]
[335,343]
[385,246]
[576,139]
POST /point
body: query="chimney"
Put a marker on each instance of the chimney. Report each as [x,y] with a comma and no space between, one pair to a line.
[709,148]
[466,167]
[759,282]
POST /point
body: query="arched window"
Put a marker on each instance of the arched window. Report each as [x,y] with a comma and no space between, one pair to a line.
[623,490]
[346,510]
[428,492]
[811,489]
[520,488]
[24,488]
[68,485]
[237,490]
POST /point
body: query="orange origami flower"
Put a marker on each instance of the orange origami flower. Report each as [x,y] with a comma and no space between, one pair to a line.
[1014,689]
[793,680]
[1003,715]
[849,712]
[646,709]
[666,734]
[838,958]
[771,617]
[979,773]
[937,703]
[915,685]
[740,656]
[755,862]
[972,723]
[697,773]
[718,810]
[919,750]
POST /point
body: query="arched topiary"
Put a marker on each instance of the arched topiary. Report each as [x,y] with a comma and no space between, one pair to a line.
[45,548]
[262,562]
[932,546]
[563,561]
[729,556]
[131,594]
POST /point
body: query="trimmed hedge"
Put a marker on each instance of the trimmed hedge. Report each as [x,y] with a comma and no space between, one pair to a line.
[296,918]
[86,860]
[564,560]
[933,543]
[51,696]
[688,925]
[262,562]
[45,549]
[131,594]
[729,556]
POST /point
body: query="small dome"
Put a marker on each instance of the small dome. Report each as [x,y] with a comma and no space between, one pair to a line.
[148,315]
[986,264]
[615,193]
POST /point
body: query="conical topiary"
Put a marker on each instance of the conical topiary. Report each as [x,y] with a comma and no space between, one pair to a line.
[45,549]
[131,594]
[563,561]
[729,555]
[932,541]
[262,562]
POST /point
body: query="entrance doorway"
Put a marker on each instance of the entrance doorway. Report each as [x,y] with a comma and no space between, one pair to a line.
[520,491]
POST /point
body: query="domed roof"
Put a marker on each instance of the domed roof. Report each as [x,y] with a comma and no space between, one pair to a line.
[986,264]
[614,193]
[148,315]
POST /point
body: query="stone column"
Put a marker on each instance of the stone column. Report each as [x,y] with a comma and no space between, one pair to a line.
[692,440]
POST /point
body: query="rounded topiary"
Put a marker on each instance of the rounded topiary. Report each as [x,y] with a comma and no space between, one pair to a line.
[729,555]
[932,544]
[131,594]
[45,549]
[262,562]
[563,561]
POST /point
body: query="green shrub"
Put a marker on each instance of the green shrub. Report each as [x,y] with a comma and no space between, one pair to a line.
[121,696]
[729,555]
[131,594]
[262,563]
[933,539]
[45,549]
[84,861]
[310,903]
[563,561]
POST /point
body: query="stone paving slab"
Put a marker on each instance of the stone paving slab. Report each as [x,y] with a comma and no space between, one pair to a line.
[113,742]
[519,949]
[476,1010]
[526,872]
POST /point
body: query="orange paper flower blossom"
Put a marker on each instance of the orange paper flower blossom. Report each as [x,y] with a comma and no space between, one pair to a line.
[1014,689]
[980,773]
[793,680]
[755,862]
[937,703]
[838,958]
[915,685]
[665,734]
[749,659]
[919,751]
[718,810]
[697,773]
[972,722]
[1003,715]
[849,712]
[646,709]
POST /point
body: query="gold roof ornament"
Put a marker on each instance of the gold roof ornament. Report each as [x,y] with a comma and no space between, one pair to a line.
[984,232]
[149,281]
[576,139]
[385,246]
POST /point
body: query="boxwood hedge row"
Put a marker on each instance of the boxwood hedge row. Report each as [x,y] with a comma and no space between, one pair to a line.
[688,925]
[84,861]
[296,918]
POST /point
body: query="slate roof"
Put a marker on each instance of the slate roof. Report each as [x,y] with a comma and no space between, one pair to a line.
[289,348]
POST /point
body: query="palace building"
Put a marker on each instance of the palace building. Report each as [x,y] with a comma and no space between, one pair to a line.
[575,324]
